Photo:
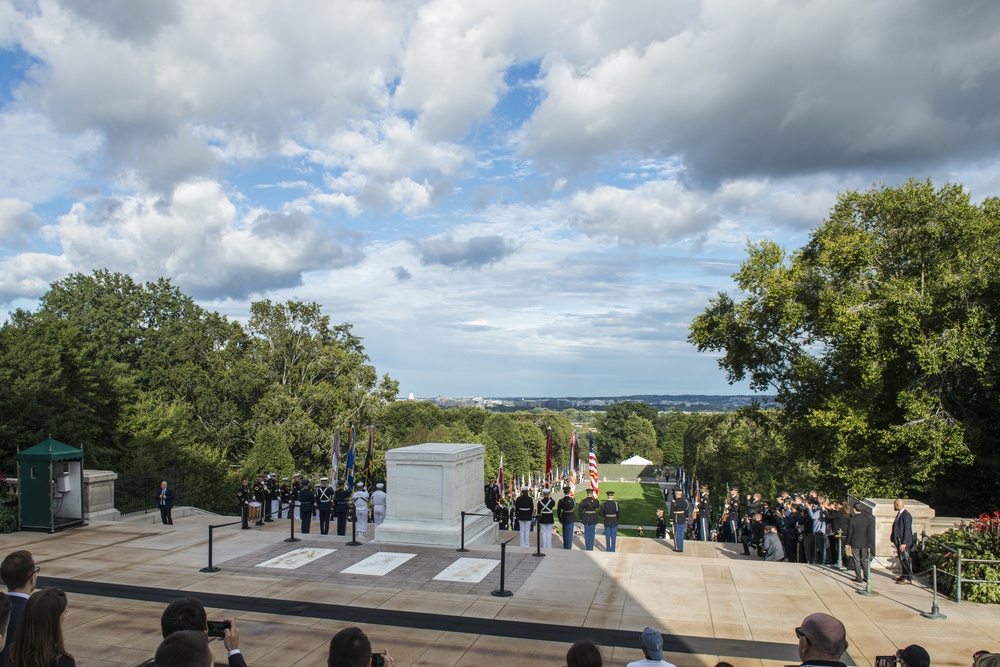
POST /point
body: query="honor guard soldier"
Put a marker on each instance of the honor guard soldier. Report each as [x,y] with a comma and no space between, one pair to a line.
[546,517]
[324,501]
[704,514]
[306,501]
[567,516]
[611,513]
[361,508]
[341,501]
[272,497]
[296,487]
[284,498]
[502,516]
[524,510]
[733,515]
[661,526]
[588,517]
[243,497]
[260,497]
[378,504]
[679,513]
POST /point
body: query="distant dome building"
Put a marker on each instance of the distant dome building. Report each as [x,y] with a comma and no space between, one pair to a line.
[410,397]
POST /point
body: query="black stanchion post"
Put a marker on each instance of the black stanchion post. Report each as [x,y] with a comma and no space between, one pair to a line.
[291,522]
[463,549]
[210,567]
[935,613]
[538,541]
[867,590]
[840,549]
[502,592]
[354,531]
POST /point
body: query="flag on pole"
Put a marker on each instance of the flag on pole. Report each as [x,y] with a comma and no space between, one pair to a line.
[351,454]
[500,487]
[548,456]
[336,455]
[368,475]
[572,454]
[593,468]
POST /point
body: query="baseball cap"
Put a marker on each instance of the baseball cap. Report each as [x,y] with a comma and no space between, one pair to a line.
[652,641]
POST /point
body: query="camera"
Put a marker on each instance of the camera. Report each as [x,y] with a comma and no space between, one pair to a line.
[378,659]
[885,661]
[217,628]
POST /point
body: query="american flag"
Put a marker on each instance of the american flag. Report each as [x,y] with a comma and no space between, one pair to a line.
[500,486]
[593,467]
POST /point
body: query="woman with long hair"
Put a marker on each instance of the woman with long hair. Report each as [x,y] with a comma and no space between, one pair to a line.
[39,640]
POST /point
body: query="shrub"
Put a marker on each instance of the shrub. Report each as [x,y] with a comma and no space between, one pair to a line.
[978,539]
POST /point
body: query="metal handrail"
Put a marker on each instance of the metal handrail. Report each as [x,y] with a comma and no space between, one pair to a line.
[959,580]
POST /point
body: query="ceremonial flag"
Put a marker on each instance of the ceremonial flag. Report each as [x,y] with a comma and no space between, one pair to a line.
[369,469]
[548,456]
[336,455]
[593,468]
[572,454]
[351,453]
[500,487]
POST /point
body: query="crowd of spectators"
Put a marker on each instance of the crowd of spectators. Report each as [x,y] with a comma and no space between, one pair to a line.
[31,634]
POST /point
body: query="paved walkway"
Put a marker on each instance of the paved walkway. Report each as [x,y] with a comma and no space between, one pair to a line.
[713,603]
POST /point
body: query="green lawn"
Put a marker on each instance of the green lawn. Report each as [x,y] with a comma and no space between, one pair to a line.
[638,502]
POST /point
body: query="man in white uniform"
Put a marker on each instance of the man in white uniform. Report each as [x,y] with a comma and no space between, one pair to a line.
[378,504]
[361,508]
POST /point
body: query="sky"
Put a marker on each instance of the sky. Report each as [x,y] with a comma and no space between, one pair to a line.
[513,198]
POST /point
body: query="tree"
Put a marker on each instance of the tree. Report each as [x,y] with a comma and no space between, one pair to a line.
[269,454]
[879,336]
[611,437]
[640,439]
[670,428]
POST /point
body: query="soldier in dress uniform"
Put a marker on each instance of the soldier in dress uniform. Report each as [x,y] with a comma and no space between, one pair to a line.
[588,517]
[324,501]
[612,514]
[503,516]
[296,487]
[525,510]
[679,512]
[307,499]
[284,498]
[243,498]
[341,501]
[546,517]
[271,509]
[361,508]
[378,504]
[704,514]
[733,515]
[259,494]
[567,516]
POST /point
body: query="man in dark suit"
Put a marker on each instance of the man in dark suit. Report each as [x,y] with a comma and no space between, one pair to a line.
[902,539]
[861,539]
[166,502]
[20,575]
[189,614]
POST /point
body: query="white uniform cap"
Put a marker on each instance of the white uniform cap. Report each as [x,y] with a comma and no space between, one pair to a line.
[360,484]
[380,485]
[524,488]
[545,490]
[324,479]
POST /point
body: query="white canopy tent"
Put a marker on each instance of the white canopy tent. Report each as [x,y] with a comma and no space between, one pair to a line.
[636,461]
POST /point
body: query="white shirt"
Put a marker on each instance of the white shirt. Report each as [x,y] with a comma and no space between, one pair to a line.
[361,499]
[378,498]
[646,662]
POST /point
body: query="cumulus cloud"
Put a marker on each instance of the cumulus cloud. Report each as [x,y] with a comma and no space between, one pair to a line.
[198,238]
[474,253]
[38,162]
[17,222]
[782,88]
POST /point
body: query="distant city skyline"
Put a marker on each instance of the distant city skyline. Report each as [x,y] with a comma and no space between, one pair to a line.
[502,198]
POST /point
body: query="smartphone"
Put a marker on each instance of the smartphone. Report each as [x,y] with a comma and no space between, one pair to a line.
[217,628]
[378,660]
[885,661]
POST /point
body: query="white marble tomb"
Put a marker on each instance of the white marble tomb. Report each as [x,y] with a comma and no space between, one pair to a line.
[428,486]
